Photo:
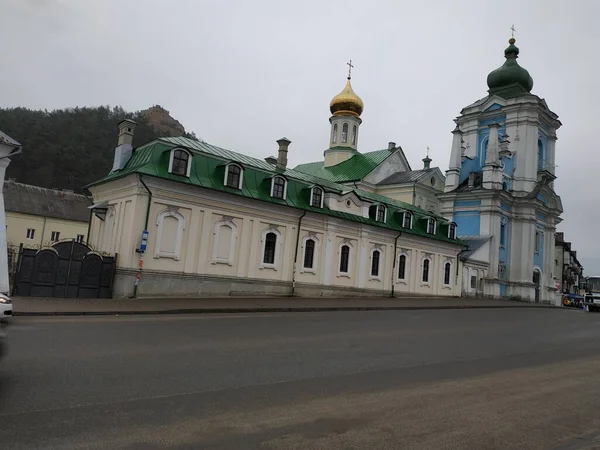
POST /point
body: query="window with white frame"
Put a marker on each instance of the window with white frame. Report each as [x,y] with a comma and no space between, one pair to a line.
[55,236]
[344,259]
[180,163]
[380,213]
[270,248]
[80,238]
[30,233]
[402,260]
[271,243]
[278,187]
[452,231]
[169,235]
[233,176]
[316,197]
[431,226]
[375,259]
[225,233]
[334,134]
[309,254]
[425,271]
[447,273]
[407,220]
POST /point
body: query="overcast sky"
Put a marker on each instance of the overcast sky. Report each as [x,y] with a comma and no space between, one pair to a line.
[241,74]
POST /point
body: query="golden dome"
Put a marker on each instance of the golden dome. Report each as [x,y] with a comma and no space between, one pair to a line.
[346,103]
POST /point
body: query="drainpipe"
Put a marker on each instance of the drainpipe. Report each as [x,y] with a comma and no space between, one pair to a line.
[296,253]
[394,262]
[414,194]
[141,263]
[87,237]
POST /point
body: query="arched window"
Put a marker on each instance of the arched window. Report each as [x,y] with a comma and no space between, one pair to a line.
[452,231]
[180,163]
[278,188]
[402,267]
[407,220]
[425,277]
[224,242]
[540,154]
[344,133]
[169,236]
[309,254]
[431,226]
[354,130]
[375,255]
[380,213]
[344,258]
[447,273]
[270,248]
[334,134]
[316,197]
[233,176]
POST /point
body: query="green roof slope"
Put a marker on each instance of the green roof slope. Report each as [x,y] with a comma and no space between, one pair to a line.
[353,169]
[208,171]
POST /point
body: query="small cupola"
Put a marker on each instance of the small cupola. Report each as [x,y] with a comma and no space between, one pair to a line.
[510,80]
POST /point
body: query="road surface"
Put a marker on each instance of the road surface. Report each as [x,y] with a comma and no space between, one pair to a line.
[454,379]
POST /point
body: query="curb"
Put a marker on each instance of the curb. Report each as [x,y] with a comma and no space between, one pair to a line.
[272,310]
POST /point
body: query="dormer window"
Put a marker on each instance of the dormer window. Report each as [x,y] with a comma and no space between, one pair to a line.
[233,176]
[316,197]
[180,163]
[452,231]
[407,220]
[278,187]
[381,213]
[431,226]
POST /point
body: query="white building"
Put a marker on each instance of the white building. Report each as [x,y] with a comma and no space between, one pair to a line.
[8,147]
[499,187]
[220,222]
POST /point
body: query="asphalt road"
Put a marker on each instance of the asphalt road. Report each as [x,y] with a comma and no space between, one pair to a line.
[454,379]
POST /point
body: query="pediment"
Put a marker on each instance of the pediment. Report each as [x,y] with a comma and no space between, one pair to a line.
[492,103]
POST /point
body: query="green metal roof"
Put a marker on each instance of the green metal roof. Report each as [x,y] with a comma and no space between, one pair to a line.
[353,169]
[208,171]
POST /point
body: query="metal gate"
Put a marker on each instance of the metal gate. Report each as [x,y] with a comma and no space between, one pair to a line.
[66,269]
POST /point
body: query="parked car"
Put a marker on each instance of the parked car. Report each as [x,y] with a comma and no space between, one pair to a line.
[6,308]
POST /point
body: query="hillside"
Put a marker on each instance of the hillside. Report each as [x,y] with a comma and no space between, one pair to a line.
[70,148]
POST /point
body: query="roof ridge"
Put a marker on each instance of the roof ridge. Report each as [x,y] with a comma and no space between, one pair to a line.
[41,188]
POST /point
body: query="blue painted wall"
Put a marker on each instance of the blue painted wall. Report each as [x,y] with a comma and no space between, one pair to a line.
[505,207]
[494,107]
[468,223]
[503,290]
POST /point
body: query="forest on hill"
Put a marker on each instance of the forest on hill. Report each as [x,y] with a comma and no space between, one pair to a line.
[70,148]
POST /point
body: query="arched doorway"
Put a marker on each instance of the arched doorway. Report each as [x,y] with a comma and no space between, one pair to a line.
[537,276]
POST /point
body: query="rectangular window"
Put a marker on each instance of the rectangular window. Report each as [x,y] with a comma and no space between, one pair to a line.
[431,226]
[316,198]
[502,234]
[375,264]
[30,233]
[80,238]
[270,243]
[402,267]
[309,254]
[473,282]
[55,236]
[425,271]
[447,270]
[538,239]
[407,220]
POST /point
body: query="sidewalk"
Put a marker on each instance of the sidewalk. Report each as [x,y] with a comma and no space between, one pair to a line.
[38,306]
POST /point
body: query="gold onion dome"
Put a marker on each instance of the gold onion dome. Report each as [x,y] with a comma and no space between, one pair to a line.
[346,103]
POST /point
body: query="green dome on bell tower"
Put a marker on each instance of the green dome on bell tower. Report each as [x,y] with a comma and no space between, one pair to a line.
[510,80]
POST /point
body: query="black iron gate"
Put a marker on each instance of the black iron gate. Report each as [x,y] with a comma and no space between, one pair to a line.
[66,269]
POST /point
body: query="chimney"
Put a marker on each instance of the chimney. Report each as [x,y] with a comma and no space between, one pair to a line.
[426,162]
[391,145]
[124,144]
[284,143]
